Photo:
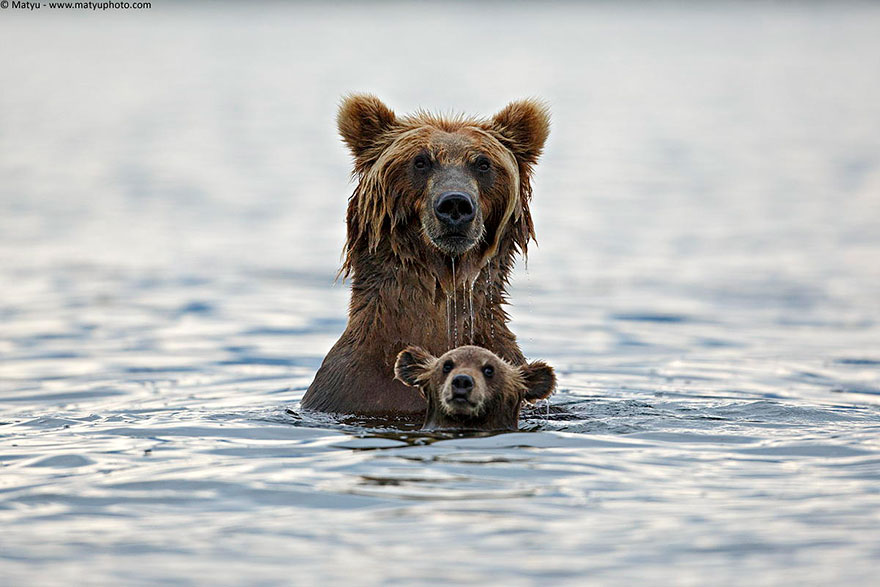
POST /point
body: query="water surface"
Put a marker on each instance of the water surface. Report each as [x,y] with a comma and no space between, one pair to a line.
[706,284]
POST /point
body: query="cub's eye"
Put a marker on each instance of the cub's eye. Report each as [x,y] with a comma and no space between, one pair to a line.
[421,163]
[483,164]
[447,366]
[488,371]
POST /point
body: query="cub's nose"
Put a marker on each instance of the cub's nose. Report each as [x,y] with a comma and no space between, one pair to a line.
[455,209]
[462,386]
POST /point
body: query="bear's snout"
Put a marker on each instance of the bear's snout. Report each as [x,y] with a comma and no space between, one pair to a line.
[462,385]
[456,210]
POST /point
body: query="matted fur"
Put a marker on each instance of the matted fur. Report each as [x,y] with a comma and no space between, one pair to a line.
[400,279]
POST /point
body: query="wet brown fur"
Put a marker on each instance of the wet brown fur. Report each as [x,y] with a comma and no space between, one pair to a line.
[497,399]
[400,280]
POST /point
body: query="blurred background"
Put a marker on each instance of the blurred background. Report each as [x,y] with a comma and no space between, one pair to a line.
[709,149]
[172,199]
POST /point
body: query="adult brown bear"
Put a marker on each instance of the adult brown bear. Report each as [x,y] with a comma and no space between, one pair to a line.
[440,210]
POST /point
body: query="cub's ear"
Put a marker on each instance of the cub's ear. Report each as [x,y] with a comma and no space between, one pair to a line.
[540,380]
[362,120]
[413,364]
[523,127]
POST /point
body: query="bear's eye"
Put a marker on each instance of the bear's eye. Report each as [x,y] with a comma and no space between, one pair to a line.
[483,164]
[421,163]
[447,366]
[488,371]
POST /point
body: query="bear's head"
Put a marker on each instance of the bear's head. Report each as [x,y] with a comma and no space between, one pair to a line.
[452,185]
[470,387]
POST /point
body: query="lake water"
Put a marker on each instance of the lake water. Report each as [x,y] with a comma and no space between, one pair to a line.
[707,285]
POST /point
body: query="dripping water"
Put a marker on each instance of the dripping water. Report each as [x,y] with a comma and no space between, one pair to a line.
[448,321]
[454,307]
[489,303]
[471,308]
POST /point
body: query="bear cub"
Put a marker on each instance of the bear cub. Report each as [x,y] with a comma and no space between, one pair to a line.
[471,388]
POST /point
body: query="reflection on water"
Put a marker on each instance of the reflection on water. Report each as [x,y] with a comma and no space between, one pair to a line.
[706,286]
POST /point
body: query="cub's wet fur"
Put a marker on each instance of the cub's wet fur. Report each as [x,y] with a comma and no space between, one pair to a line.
[471,388]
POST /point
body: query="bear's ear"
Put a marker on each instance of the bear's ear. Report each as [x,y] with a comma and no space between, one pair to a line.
[540,380]
[523,127]
[362,119]
[413,363]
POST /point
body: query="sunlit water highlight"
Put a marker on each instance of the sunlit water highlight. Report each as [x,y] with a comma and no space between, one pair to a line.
[706,285]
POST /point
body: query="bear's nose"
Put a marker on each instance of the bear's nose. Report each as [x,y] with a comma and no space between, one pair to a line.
[455,208]
[462,386]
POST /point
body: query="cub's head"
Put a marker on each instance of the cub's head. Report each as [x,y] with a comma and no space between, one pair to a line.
[471,388]
[451,184]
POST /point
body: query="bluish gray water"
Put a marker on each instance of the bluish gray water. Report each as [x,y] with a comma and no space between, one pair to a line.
[707,285]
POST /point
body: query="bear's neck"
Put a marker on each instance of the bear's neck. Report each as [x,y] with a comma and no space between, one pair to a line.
[434,301]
